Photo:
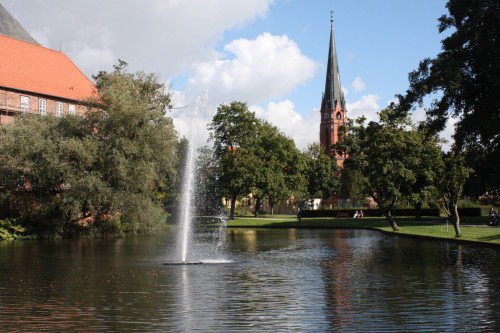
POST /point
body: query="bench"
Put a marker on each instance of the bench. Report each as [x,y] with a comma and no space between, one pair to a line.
[343,215]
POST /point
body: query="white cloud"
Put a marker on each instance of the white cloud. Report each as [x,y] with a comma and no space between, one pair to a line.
[303,130]
[344,90]
[267,67]
[93,59]
[367,106]
[358,84]
[448,133]
[162,36]
[419,115]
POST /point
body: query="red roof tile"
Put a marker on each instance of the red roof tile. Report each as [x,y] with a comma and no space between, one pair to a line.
[37,69]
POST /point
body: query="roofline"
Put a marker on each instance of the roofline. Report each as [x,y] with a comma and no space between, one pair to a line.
[52,50]
[34,93]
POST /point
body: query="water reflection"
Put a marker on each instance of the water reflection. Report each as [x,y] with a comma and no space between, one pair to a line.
[282,280]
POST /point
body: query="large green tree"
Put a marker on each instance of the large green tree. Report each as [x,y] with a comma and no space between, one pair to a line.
[278,166]
[322,173]
[50,167]
[463,82]
[233,129]
[453,175]
[100,172]
[253,157]
[387,155]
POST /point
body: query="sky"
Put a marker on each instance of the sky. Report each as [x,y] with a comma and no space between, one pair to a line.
[271,54]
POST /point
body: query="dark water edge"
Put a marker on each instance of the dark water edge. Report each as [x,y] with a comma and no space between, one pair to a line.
[277,280]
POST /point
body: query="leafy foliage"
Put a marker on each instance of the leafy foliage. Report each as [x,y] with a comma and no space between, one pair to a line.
[463,80]
[321,173]
[387,155]
[454,174]
[72,175]
[253,157]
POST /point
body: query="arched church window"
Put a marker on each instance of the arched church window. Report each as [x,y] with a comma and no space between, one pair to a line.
[339,115]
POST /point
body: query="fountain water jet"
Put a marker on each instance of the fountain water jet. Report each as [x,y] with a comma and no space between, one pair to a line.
[188,191]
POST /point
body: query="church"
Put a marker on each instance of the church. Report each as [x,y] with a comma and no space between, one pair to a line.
[333,109]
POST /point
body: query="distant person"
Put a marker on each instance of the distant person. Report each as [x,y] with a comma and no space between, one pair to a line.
[299,214]
[356,215]
[493,217]
[361,214]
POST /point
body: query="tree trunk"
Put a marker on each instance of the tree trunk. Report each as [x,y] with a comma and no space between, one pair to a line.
[418,207]
[456,223]
[233,205]
[391,221]
[257,205]
[386,212]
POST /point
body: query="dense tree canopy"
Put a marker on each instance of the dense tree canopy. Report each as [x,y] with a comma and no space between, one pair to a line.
[99,172]
[453,175]
[463,81]
[232,130]
[278,168]
[253,157]
[321,173]
[387,154]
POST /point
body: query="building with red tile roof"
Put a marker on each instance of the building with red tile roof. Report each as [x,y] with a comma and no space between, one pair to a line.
[38,80]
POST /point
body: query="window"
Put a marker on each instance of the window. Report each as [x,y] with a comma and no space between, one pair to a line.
[42,106]
[25,103]
[71,109]
[339,115]
[59,109]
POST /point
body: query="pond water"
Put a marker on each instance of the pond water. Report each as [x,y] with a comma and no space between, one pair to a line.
[293,280]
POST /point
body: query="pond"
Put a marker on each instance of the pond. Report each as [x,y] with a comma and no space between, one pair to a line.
[277,280]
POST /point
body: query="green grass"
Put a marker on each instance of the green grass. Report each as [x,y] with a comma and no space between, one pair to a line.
[473,228]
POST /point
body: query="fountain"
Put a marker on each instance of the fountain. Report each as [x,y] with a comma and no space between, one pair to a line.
[188,190]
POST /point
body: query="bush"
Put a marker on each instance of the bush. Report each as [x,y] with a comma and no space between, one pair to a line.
[368,212]
[9,229]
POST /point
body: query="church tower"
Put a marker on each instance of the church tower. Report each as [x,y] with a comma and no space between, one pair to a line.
[333,110]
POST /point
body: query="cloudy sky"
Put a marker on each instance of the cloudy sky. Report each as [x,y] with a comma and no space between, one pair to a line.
[269,53]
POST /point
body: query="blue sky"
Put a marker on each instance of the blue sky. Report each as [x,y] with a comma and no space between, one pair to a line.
[270,53]
[379,41]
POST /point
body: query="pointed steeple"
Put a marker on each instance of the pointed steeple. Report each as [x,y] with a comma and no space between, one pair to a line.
[333,94]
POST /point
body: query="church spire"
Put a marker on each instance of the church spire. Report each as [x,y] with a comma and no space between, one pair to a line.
[333,94]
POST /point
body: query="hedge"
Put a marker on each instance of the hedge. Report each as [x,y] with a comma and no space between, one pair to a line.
[368,212]
[473,211]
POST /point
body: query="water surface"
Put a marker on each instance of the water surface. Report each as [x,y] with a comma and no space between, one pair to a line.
[278,280]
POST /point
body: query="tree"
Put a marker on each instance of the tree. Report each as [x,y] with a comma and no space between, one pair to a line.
[99,172]
[171,191]
[232,130]
[463,81]
[454,174]
[137,142]
[278,166]
[49,165]
[321,173]
[386,154]
[427,171]
[208,197]
[253,157]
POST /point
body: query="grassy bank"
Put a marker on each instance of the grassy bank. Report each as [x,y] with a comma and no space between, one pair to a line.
[473,228]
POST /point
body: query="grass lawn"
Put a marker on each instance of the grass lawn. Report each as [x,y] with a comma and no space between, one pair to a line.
[473,228]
